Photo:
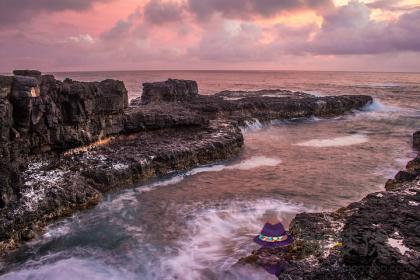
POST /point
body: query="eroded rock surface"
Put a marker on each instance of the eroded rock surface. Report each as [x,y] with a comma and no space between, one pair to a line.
[41,114]
[169,91]
[376,238]
[264,105]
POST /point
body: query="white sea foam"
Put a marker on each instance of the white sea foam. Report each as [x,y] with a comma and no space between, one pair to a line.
[252,125]
[129,197]
[248,164]
[379,85]
[378,106]
[378,110]
[57,231]
[217,237]
[72,268]
[335,142]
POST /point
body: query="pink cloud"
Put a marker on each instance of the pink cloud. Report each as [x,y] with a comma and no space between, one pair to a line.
[200,34]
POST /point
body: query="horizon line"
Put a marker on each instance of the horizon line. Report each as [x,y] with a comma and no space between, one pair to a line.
[212,70]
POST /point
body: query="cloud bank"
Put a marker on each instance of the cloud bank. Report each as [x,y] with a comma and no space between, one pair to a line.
[200,34]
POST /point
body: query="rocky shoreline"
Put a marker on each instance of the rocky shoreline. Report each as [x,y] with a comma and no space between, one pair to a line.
[375,238]
[65,143]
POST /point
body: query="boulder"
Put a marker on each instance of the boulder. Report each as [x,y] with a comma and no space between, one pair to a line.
[169,91]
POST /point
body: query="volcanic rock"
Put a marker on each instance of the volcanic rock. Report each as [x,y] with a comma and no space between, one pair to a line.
[169,91]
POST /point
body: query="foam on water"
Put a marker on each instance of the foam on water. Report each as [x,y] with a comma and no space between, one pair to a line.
[217,237]
[378,110]
[378,106]
[129,196]
[71,268]
[335,142]
[248,164]
[252,125]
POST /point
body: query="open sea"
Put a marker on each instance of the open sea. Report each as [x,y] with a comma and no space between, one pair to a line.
[196,225]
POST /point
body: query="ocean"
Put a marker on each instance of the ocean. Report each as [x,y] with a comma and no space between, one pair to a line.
[197,224]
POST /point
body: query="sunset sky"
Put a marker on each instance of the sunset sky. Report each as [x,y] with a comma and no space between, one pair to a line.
[71,35]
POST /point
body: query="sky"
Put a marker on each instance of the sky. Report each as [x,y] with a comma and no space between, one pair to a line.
[85,35]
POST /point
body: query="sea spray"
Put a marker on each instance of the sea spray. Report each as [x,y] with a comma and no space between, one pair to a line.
[217,236]
[252,125]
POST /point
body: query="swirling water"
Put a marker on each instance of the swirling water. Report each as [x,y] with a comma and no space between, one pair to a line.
[197,224]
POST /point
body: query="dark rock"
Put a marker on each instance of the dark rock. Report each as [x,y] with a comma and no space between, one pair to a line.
[64,184]
[267,93]
[25,90]
[282,106]
[416,140]
[169,91]
[31,73]
[10,183]
[6,108]
[161,116]
[48,115]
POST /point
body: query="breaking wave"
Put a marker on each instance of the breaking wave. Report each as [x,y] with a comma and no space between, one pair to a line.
[218,236]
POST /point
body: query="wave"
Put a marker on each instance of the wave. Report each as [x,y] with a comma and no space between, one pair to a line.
[71,268]
[217,237]
[252,125]
[129,197]
[335,142]
[378,106]
[387,85]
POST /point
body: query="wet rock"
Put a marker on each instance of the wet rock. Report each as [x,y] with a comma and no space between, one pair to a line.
[169,91]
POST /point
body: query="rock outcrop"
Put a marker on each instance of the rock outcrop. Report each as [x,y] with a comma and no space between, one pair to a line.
[41,114]
[169,91]
[264,105]
[65,143]
[376,238]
